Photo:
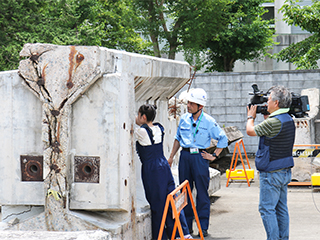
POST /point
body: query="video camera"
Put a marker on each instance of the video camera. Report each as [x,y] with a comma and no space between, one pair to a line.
[298,108]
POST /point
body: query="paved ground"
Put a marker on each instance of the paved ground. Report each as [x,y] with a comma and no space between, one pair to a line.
[234,213]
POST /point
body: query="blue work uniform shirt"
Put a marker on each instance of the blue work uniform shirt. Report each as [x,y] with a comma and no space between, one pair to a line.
[207,129]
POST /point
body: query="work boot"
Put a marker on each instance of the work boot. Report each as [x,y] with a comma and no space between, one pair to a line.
[204,232]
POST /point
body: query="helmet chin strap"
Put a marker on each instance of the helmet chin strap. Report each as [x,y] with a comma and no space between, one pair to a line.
[196,111]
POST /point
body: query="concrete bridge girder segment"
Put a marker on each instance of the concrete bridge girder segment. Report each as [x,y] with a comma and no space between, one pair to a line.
[87,112]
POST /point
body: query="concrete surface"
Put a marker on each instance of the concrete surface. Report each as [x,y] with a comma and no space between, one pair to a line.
[81,103]
[234,213]
[35,235]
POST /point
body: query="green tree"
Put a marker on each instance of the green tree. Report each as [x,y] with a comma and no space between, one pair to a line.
[212,32]
[30,21]
[66,22]
[305,53]
[245,36]
[15,27]
[178,24]
[112,24]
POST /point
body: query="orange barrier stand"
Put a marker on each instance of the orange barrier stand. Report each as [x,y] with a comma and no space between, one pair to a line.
[234,164]
[177,204]
[307,145]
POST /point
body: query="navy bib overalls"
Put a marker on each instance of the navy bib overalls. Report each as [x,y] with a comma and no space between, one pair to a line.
[158,183]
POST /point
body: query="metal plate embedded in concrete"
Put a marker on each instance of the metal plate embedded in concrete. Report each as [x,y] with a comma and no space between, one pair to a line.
[31,168]
[86,169]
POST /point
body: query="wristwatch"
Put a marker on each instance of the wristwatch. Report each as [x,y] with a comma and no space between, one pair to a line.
[250,117]
[214,154]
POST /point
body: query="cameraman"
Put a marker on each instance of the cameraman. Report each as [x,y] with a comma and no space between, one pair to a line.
[274,160]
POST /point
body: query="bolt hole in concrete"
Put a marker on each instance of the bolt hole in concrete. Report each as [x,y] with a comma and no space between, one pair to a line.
[87,169]
[33,169]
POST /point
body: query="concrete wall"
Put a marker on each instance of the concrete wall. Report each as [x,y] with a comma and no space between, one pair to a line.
[228,94]
[20,125]
[66,113]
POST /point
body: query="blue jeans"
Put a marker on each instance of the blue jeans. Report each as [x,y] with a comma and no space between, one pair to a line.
[273,203]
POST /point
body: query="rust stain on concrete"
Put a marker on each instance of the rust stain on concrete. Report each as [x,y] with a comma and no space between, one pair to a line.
[74,62]
[71,64]
[79,59]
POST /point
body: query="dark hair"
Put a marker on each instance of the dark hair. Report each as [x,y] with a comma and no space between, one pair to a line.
[148,110]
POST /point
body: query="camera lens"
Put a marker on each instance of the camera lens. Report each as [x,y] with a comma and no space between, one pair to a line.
[263,110]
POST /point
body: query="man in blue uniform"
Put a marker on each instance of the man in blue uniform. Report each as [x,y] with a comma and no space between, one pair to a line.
[274,161]
[194,134]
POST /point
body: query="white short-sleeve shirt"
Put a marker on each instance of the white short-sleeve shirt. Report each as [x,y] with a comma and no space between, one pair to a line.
[143,137]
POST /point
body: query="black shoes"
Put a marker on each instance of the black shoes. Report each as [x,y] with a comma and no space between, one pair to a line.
[204,232]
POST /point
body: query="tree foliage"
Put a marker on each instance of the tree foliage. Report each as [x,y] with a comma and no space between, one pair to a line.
[173,24]
[113,24]
[16,18]
[245,36]
[222,31]
[212,32]
[305,53]
[66,22]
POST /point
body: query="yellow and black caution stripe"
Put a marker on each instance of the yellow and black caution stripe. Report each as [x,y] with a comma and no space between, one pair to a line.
[308,152]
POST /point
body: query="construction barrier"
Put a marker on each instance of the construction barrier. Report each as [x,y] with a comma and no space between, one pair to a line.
[177,203]
[239,174]
[305,151]
[315,179]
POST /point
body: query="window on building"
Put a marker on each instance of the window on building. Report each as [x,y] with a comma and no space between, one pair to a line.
[270,14]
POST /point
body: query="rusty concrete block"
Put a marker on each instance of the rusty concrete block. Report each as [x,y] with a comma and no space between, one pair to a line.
[31,168]
[86,169]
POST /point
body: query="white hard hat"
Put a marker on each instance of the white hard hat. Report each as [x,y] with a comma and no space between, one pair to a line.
[183,97]
[197,95]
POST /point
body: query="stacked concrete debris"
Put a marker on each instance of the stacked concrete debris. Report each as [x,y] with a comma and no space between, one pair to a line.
[233,134]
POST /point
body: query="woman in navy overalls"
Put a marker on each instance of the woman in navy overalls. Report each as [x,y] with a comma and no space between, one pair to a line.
[156,173]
